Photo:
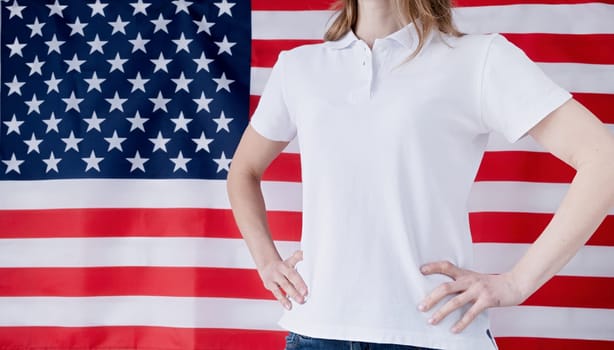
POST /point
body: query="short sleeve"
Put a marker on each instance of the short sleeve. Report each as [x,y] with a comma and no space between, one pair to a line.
[271,118]
[516,94]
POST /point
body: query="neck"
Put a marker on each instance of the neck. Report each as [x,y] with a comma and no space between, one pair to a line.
[376,19]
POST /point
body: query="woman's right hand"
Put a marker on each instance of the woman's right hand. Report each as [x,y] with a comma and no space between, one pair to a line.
[282,279]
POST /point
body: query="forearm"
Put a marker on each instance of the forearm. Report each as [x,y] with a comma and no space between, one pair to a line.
[587,202]
[249,211]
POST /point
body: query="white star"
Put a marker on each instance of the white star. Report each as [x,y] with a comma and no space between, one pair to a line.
[137,122]
[224,8]
[118,25]
[182,83]
[15,10]
[16,48]
[116,102]
[161,24]
[71,142]
[13,126]
[94,83]
[56,8]
[33,144]
[34,105]
[225,46]
[159,142]
[53,84]
[202,102]
[52,163]
[92,162]
[77,27]
[203,25]
[202,143]
[93,122]
[159,102]
[115,142]
[223,163]
[36,28]
[12,164]
[14,86]
[72,102]
[137,162]
[54,45]
[74,64]
[96,45]
[182,43]
[180,162]
[117,63]
[52,123]
[138,83]
[140,7]
[202,62]
[35,66]
[139,43]
[181,123]
[97,8]
[182,5]
[223,83]
[160,63]
[222,122]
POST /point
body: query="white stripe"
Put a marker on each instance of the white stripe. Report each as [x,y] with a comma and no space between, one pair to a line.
[592,18]
[285,196]
[185,312]
[497,142]
[523,197]
[574,77]
[233,253]
[131,251]
[580,77]
[553,322]
[116,193]
[595,261]
[558,19]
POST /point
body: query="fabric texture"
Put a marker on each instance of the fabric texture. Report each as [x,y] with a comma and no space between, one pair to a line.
[389,152]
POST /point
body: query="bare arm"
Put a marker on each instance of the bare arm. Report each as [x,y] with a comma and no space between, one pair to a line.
[574,135]
[252,157]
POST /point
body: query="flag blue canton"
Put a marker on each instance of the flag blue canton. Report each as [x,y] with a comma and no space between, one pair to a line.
[120,89]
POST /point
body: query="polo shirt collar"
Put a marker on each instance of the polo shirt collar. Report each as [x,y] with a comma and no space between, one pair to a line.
[406,36]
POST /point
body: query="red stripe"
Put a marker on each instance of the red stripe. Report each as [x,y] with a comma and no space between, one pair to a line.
[524,166]
[129,280]
[495,166]
[298,5]
[599,104]
[183,222]
[595,292]
[574,291]
[139,338]
[486,227]
[590,48]
[513,343]
[286,167]
[253,103]
[497,227]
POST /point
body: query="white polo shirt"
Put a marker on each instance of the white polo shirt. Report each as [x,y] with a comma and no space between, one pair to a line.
[388,159]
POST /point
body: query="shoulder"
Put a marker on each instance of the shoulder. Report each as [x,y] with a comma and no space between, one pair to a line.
[466,42]
[305,51]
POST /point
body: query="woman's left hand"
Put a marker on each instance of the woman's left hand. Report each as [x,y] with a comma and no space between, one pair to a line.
[481,290]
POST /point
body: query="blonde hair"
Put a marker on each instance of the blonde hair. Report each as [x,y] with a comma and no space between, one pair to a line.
[432,14]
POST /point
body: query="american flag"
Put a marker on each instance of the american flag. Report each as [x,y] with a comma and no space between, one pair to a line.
[118,123]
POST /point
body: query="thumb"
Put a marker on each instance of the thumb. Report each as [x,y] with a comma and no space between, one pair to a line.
[295,258]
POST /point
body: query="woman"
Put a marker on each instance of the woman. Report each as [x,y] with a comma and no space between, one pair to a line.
[392,115]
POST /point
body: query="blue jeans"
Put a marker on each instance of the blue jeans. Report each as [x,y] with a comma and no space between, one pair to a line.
[300,342]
